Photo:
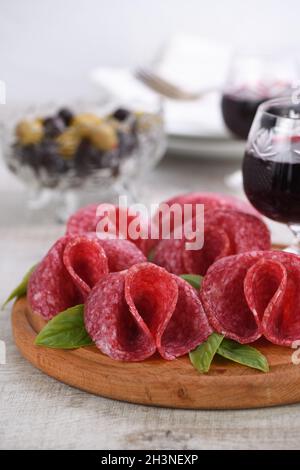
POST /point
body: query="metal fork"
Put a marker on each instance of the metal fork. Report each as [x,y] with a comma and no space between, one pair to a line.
[166,88]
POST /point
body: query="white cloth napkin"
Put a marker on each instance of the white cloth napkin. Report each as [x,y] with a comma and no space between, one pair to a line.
[191,62]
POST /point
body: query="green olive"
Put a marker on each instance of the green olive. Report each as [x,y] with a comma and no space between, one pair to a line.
[29,132]
[68,142]
[85,122]
[104,137]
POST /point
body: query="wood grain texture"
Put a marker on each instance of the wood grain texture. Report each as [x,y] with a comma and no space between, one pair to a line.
[158,382]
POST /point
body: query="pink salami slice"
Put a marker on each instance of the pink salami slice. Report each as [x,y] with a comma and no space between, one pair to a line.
[121,254]
[174,213]
[132,314]
[227,232]
[168,254]
[86,220]
[245,231]
[172,255]
[213,201]
[253,294]
[85,261]
[82,221]
[222,294]
[188,326]
[73,266]
[152,294]
[112,326]
[51,289]
[217,245]
[280,319]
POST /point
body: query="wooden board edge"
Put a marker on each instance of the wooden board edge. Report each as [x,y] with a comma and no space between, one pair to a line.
[205,392]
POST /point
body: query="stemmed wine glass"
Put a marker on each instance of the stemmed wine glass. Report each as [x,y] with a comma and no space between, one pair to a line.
[271,166]
[252,79]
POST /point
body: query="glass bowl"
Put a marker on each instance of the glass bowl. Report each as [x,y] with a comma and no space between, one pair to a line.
[82,152]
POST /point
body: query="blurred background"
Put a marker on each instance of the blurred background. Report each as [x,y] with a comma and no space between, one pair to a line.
[48,48]
[65,52]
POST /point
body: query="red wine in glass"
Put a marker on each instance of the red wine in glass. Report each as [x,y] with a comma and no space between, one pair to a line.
[239,105]
[238,110]
[271,166]
[252,78]
[273,187]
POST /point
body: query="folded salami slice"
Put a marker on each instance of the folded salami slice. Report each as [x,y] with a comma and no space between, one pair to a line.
[112,326]
[213,201]
[217,245]
[51,289]
[226,232]
[72,267]
[86,262]
[132,314]
[253,294]
[86,220]
[188,325]
[121,254]
[82,221]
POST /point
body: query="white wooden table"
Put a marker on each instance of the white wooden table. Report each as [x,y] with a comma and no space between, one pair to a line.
[37,412]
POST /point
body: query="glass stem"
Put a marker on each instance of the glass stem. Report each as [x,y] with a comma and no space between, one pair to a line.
[295,247]
[38,198]
[66,204]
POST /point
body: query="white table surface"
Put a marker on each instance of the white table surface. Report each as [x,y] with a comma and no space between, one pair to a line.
[37,412]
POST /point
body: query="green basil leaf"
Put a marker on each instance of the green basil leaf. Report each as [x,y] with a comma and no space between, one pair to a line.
[151,254]
[194,279]
[243,354]
[202,356]
[21,289]
[65,331]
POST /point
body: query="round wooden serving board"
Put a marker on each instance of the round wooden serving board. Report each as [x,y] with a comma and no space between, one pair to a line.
[158,382]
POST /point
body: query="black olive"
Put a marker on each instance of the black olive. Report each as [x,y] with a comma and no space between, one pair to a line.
[53,126]
[66,115]
[121,114]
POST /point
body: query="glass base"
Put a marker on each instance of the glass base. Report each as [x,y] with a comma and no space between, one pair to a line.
[295,247]
[58,205]
[51,205]
[292,249]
